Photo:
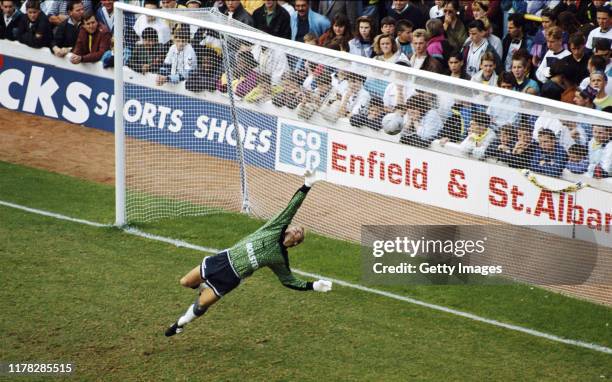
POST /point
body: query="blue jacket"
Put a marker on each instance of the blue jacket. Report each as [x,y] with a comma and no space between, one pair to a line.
[554,163]
[317,23]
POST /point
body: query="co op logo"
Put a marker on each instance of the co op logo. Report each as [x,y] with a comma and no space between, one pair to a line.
[302,147]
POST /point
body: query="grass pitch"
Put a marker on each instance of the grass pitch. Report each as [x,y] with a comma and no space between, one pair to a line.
[101,299]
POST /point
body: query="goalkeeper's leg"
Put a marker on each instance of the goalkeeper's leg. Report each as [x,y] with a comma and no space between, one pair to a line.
[205,299]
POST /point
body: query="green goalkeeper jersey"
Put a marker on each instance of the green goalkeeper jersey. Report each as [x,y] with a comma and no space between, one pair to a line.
[264,247]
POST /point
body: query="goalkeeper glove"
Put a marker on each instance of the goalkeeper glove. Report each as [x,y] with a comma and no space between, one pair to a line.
[322,286]
[310,177]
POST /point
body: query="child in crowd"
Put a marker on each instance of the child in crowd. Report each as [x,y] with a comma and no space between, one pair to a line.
[180,60]
[578,160]
[479,137]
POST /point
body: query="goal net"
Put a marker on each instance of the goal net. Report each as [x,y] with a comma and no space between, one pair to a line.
[220,117]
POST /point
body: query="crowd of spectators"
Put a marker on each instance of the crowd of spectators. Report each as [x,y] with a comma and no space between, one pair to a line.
[557,49]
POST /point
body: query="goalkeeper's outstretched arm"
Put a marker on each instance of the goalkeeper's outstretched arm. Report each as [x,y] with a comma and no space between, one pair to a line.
[285,217]
[288,279]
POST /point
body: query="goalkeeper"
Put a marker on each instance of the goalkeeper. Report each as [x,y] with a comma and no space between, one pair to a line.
[266,247]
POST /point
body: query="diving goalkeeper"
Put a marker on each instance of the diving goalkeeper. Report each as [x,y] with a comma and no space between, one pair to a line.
[266,247]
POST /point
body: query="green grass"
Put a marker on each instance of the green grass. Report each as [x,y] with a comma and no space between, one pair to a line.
[101,298]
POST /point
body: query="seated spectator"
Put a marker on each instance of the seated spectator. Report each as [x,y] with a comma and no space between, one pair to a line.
[207,38]
[404,36]
[272,62]
[341,27]
[305,20]
[396,93]
[372,118]
[603,30]
[455,128]
[422,123]
[420,59]
[93,41]
[57,10]
[524,148]
[596,64]
[144,21]
[477,47]
[387,26]
[356,99]
[556,52]
[520,71]
[437,11]
[539,47]
[386,49]
[180,60]
[11,18]
[149,56]
[480,136]
[504,110]
[361,44]
[577,159]
[549,157]
[456,67]
[486,74]
[599,81]
[233,9]
[34,29]
[596,146]
[262,92]
[501,147]
[105,14]
[244,77]
[313,100]
[66,34]
[273,19]
[290,94]
[515,40]
[557,81]
[456,33]
[403,10]
[578,60]
[601,47]
[585,97]
[437,46]
[604,168]
[303,67]
[493,40]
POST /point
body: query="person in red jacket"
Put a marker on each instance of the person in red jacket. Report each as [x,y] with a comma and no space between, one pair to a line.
[94,39]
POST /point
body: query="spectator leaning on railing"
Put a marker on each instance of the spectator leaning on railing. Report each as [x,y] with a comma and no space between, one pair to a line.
[94,39]
[549,157]
[10,20]
[67,33]
[34,29]
[149,56]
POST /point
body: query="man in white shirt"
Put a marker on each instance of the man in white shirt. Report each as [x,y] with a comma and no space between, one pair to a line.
[604,23]
[144,21]
[554,41]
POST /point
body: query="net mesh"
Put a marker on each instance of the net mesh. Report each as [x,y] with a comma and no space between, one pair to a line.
[183,99]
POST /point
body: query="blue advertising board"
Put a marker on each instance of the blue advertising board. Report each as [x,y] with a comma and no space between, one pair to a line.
[155,115]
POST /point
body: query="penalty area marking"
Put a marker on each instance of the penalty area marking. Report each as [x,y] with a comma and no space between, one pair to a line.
[470,316]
